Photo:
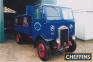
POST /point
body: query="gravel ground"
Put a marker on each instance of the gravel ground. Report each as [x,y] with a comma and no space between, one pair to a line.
[12,52]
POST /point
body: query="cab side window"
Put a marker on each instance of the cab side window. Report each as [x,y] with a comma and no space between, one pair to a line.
[19,21]
[23,21]
[37,14]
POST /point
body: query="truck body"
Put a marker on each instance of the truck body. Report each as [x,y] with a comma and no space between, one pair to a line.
[52,25]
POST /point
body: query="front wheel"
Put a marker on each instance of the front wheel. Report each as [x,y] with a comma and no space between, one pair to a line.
[43,50]
[72,45]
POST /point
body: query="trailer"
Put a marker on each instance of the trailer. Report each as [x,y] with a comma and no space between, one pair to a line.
[50,28]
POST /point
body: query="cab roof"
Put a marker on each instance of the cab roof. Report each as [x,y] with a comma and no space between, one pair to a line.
[51,5]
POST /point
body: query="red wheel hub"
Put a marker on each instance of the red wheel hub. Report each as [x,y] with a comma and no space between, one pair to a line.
[69,43]
[41,50]
[17,38]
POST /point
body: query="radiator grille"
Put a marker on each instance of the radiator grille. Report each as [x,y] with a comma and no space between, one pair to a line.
[64,35]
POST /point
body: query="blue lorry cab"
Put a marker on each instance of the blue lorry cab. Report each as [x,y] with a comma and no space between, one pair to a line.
[54,24]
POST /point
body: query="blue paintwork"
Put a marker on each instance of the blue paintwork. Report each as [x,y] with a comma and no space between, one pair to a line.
[40,26]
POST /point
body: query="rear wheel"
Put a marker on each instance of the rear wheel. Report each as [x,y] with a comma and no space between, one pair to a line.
[43,50]
[19,38]
[72,46]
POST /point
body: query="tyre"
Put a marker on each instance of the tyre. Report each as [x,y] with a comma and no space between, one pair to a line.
[19,38]
[72,47]
[43,50]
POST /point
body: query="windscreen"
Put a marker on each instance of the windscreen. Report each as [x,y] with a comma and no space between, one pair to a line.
[53,13]
[67,13]
[58,13]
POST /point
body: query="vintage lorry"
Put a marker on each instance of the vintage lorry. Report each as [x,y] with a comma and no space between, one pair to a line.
[50,28]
